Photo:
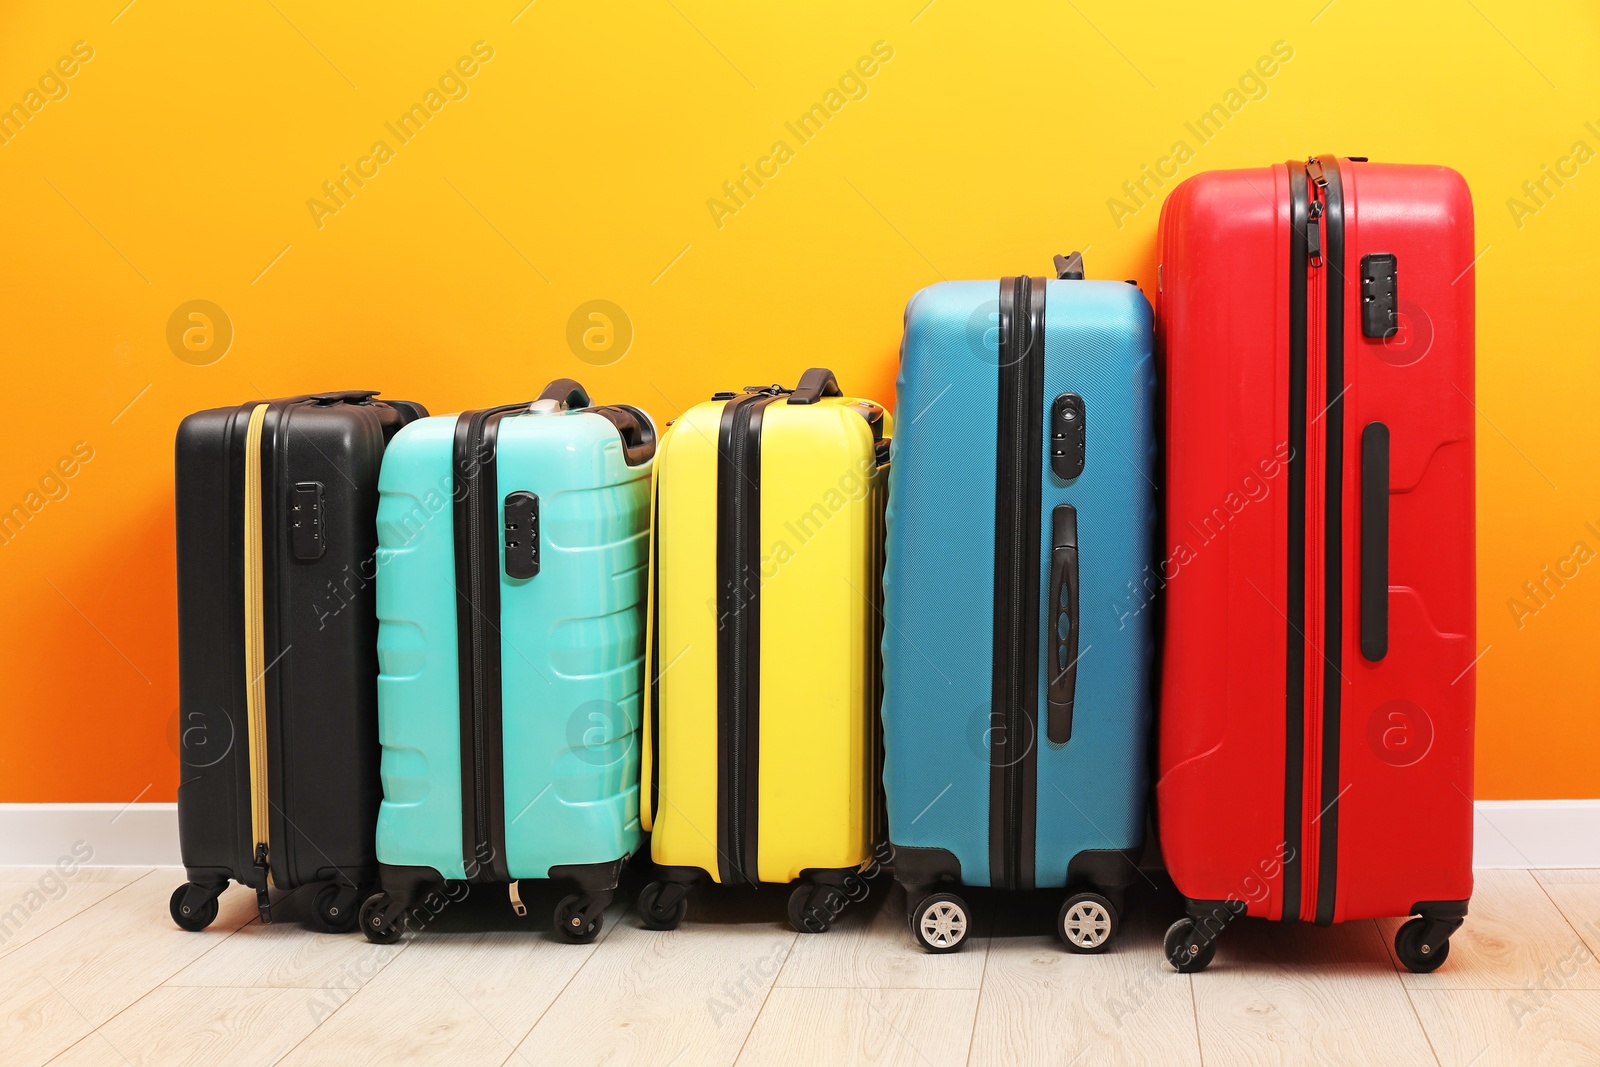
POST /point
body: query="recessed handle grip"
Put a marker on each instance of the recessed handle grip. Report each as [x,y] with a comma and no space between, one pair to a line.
[1063,686]
[1375,541]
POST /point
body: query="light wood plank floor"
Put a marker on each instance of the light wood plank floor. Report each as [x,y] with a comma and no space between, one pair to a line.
[93,972]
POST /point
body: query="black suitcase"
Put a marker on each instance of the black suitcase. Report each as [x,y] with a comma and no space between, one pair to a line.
[277,649]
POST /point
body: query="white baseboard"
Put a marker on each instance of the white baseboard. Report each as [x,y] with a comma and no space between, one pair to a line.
[119,835]
[1507,833]
[1536,833]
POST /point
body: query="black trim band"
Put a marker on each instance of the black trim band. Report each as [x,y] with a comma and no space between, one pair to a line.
[1333,543]
[653,682]
[739,635]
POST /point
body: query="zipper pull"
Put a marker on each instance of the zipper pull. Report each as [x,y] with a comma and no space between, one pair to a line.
[516,900]
[1314,233]
[263,904]
[1315,172]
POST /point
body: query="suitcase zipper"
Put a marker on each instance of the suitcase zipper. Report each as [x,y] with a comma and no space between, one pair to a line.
[738,638]
[475,595]
[1019,442]
[476,620]
[255,660]
[1017,495]
[1324,235]
[1323,172]
[1296,703]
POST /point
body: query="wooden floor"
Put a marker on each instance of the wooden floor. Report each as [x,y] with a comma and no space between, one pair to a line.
[93,972]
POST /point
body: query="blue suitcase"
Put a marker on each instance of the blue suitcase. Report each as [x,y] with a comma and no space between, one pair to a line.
[1020,569]
[512,554]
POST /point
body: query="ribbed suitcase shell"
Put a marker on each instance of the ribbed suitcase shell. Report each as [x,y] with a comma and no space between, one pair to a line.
[939,581]
[319,634]
[821,501]
[571,648]
[1400,817]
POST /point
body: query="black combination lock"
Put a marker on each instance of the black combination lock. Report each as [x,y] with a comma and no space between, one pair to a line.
[1067,441]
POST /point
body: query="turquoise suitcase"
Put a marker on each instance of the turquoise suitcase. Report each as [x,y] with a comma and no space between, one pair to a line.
[511,564]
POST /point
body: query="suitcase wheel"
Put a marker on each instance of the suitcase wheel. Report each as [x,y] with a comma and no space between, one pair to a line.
[1412,947]
[379,928]
[812,908]
[1187,947]
[188,914]
[336,907]
[663,905]
[1087,922]
[579,917]
[940,922]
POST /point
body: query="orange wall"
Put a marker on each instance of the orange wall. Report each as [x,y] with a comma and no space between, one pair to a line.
[177,163]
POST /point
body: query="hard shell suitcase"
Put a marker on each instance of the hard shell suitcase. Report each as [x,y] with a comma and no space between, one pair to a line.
[762,745]
[1317,714]
[511,640]
[277,673]
[1018,642]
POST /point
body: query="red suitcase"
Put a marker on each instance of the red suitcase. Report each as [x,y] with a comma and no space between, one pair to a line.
[1317,687]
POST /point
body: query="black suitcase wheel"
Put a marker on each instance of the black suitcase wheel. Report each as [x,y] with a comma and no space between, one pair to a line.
[193,918]
[336,908]
[378,930]
[1186,949]
[654,915]
[812,908]
[1418,956]
[940,922]
[1087,922]
[573,921]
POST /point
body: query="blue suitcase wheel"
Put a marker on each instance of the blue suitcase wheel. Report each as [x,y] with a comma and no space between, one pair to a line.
[940,922]
[1087,922]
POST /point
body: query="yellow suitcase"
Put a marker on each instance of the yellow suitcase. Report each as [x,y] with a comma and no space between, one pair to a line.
[761,759]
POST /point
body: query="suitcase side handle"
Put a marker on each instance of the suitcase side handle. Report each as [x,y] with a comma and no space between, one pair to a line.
[638,433]
[1064,616]
[815,384]
[1375,541]
[567,392]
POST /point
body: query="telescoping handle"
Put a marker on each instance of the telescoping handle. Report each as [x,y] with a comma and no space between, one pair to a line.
[1069,267]
[815,384]
[1375,541]
[1064,622]
[567,392]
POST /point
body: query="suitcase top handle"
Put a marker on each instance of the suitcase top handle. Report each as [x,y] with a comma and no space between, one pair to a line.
[568,393]
[346,396]
[1070,267]
[815,384]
